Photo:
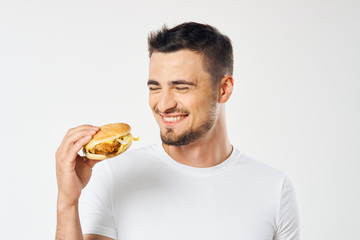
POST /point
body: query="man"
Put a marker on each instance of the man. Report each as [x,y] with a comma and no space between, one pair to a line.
[195,185]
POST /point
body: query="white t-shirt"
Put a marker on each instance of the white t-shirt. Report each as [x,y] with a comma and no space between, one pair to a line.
[145,194]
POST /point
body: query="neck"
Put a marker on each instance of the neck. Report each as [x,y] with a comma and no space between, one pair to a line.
[209,150]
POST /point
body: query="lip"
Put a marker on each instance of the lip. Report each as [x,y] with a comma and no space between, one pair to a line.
[171,120]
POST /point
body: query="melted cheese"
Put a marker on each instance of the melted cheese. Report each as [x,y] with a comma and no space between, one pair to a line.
[136,139]
[125,139]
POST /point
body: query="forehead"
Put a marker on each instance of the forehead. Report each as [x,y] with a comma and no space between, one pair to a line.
[179,64]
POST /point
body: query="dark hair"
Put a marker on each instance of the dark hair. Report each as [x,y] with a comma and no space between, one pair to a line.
[215,47]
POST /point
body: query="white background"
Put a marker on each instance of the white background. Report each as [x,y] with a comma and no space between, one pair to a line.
[295,106]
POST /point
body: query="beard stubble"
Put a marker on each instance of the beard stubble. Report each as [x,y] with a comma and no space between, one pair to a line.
[190,135]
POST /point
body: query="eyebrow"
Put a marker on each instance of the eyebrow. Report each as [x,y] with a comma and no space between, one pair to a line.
[153,82]
[181,82]
[172,83]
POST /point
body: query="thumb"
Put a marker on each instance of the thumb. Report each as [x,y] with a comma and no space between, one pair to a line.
[91,163]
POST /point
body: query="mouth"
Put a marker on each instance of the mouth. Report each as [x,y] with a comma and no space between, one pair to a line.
[172,120]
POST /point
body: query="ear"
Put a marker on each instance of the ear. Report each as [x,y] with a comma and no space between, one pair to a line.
[225,88]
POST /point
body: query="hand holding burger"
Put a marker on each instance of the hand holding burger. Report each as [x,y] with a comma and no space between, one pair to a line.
[73,173]
[110,141]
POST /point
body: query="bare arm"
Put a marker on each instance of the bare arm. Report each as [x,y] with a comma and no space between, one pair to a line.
[68,223]
[73,173]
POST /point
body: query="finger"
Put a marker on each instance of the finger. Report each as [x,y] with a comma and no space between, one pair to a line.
[81,127]
[72,136]
[69,141]
[68,149]
[75,130]
[83,171]
[91,163]
[75,148]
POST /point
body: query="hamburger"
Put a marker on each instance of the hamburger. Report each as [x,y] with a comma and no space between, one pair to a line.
[110,141]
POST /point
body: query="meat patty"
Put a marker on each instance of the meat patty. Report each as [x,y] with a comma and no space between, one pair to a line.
[107,148]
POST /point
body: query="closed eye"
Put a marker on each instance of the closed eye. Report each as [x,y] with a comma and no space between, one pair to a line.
[182,88]
[153,85]
[153,88]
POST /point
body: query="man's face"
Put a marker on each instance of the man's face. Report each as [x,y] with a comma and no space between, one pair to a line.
[181,96]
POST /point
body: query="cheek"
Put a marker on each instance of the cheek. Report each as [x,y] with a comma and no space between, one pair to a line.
[152,102]
[204,107]
[197,107]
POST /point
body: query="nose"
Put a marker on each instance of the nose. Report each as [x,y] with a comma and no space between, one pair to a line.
[167,102]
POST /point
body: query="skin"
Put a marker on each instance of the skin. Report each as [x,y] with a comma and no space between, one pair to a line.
[177,84]
[178,87]
[73,173]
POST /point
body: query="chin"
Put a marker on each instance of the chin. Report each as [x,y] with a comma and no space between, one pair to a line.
[190,136]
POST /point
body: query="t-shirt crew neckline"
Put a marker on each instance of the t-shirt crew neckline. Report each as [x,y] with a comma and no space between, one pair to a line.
[197,170]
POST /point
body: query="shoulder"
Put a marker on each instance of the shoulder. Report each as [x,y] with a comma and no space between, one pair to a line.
[265,181]
[260,172]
